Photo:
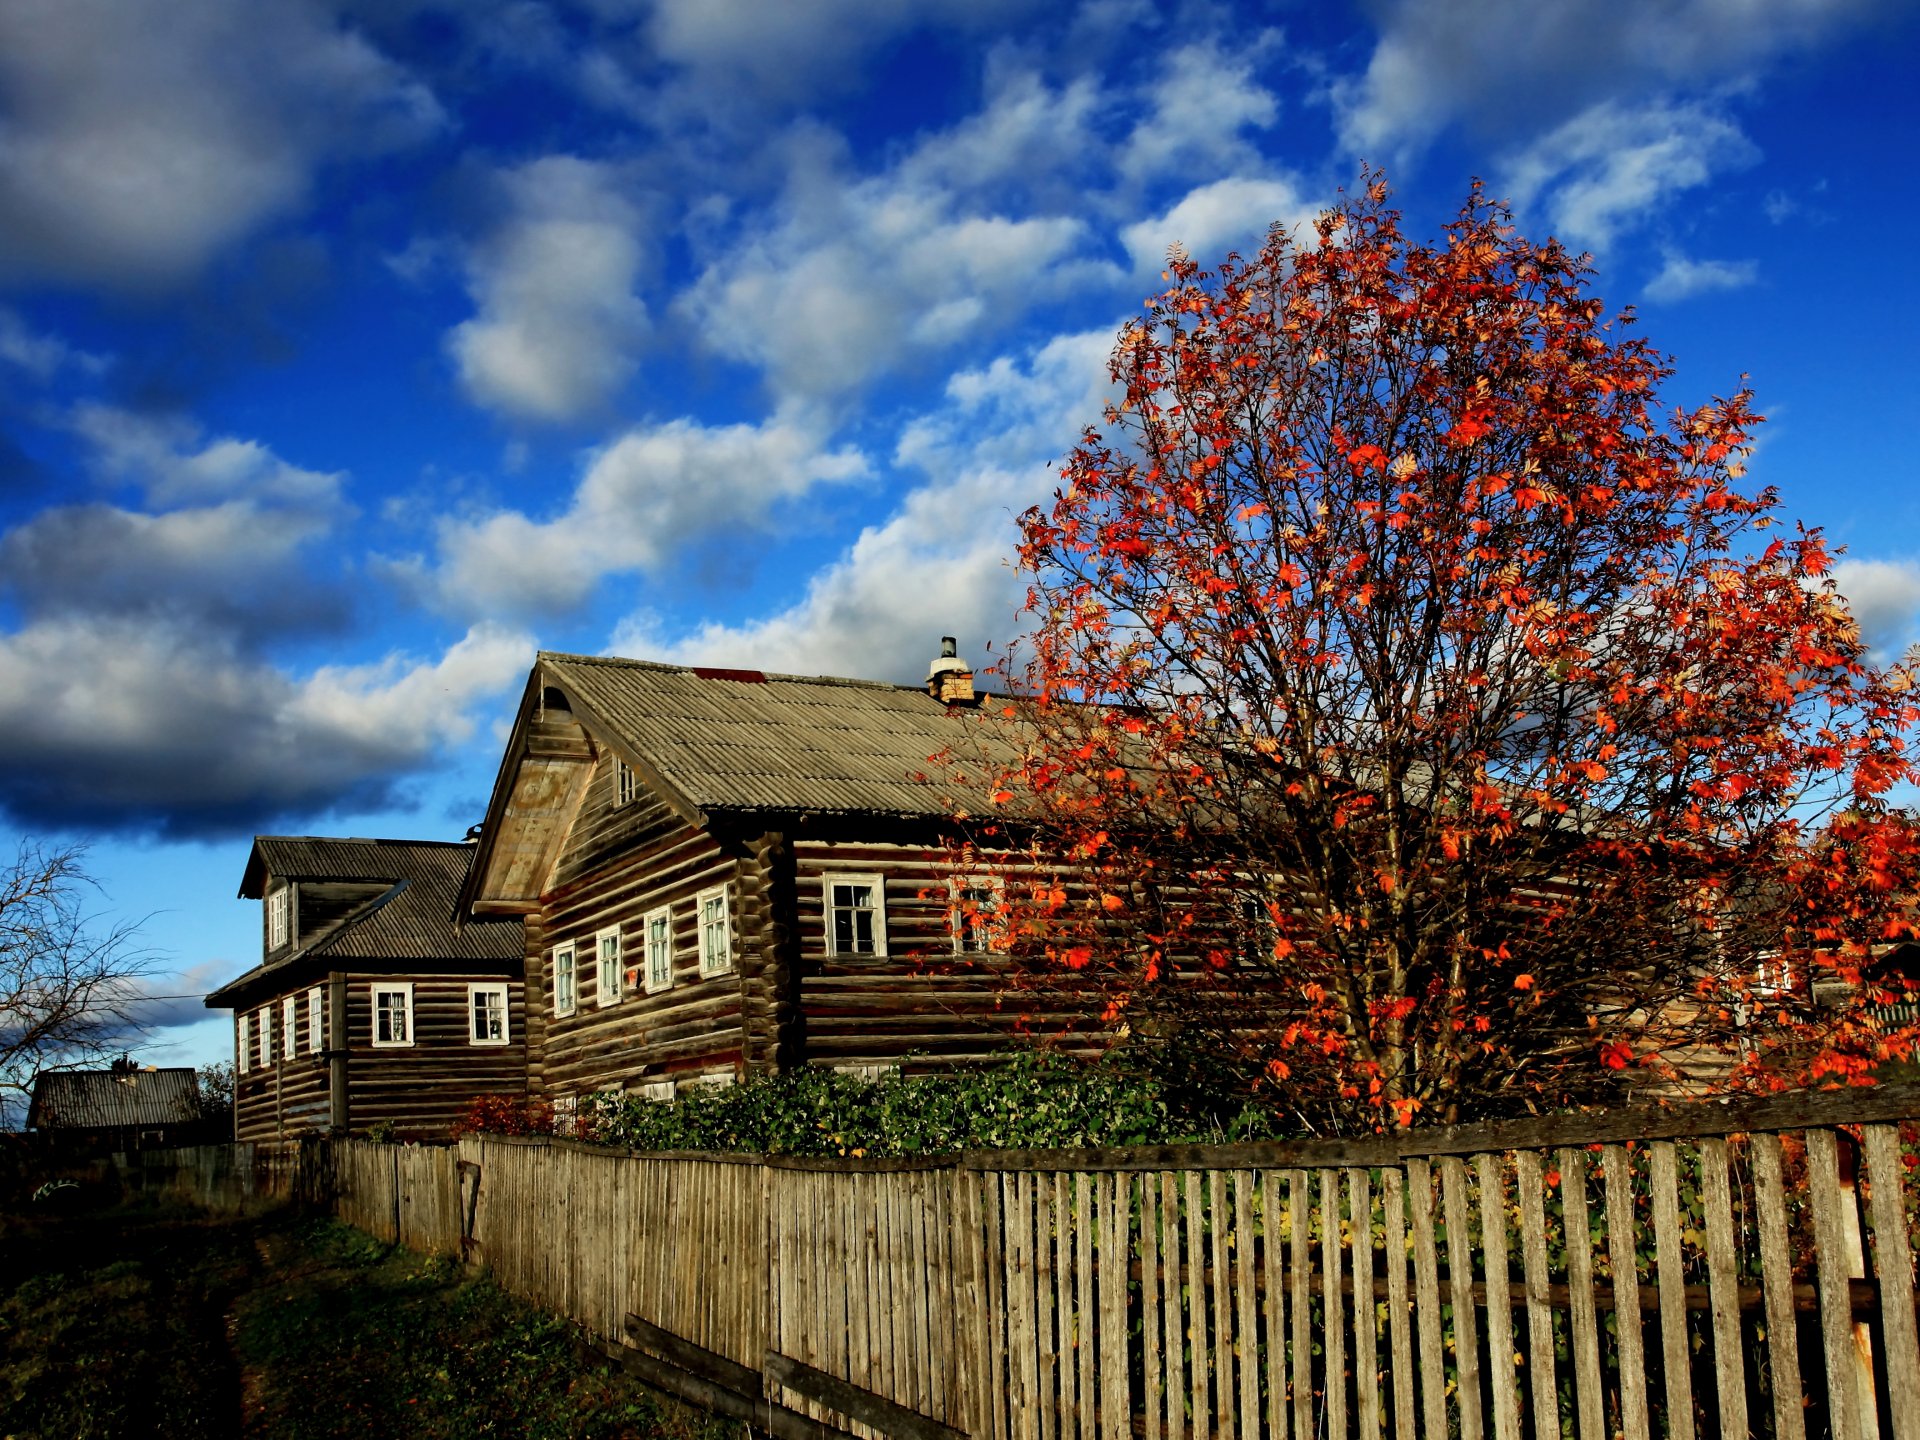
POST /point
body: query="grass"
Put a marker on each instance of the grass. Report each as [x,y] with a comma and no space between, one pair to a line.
[127,1323]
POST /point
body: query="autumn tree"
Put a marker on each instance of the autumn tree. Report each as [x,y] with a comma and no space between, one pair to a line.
[1419,707]
[67,982]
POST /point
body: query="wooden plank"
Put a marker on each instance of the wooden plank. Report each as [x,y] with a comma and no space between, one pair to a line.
[1723,1278]
[696,1359]
[1023,1363]
[1466,1328]
[913,1198]
[1893,1254]
[1676,1361]
[1366,1341]
[1542,1383]
[1219,1228]
[1085,1320]
[1833,1265]
[1172,1312]
[995,1386]
[942,1294]
[1152,1279]
[1583,1325]
[1426,1285]
[775,1420]
[1273,1272]
[1247,1346]
[1300,1257]
[1626,1293]
[1063,1308]
[1199,1362]
[1045,1292]
[1502,1379]
[1116,1401]
[1333,1321]
[1393,1207]
[849,1399]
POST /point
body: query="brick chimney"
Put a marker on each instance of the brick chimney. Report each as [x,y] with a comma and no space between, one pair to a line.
[949,678]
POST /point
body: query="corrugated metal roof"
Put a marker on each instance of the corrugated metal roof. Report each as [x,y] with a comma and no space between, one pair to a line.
[782,742]
[96,1099]
[413,920]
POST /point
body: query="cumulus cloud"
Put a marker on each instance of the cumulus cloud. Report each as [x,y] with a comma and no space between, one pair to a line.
[1884,596]
[940,564]
[1204,99]
[137,142]
[1613,167]
[142,726]
[1681,277]
[41,355]
[853,277]
[1211,219]
[639,500]
[1509,69]
[558,321]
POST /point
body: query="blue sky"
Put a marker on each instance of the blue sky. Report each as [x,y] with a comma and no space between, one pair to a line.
[350,352]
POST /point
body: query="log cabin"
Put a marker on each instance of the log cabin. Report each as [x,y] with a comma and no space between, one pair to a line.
[370,1009]
[724,873]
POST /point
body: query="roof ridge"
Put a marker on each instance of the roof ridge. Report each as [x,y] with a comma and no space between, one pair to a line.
[623,662]
[364,840]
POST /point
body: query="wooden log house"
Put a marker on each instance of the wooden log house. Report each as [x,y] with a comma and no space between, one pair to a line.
[725,872]
[370,1008]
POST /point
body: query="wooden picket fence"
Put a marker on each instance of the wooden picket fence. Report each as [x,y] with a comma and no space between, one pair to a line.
[1729,1270]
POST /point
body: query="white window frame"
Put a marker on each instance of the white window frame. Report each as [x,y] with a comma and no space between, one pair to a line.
[402,988]
[878,885]
[606,968]
[316,1020]
[243,1041]
[566,1001]
[714,959]
[993,932]
[659,975]
[279,917]
[566,1115]
[289,1037]
[496,989]
[263,1039]
[626,784]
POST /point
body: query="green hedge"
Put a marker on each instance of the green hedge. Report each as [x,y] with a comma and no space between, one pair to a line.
[1030,1101]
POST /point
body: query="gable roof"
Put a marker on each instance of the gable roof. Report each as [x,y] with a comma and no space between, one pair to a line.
[711,743]
[98,1099]
[745,741]
[410,920]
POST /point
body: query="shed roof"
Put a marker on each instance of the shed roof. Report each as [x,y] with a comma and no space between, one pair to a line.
[98,1099]
[737,740]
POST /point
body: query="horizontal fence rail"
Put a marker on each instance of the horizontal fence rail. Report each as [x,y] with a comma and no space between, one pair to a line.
[1725,1270]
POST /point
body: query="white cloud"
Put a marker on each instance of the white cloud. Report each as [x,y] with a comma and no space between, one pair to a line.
[1884,596]
[1507,69]
[1209,220]
[1615,167]
[41,356]
[639,500]
[1201,102]
[165,457]
[558,321]
[135,146]
[139,725]
[1681,277]
[941,564]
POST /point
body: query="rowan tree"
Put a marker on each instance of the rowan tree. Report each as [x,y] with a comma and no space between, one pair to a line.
[1418,707]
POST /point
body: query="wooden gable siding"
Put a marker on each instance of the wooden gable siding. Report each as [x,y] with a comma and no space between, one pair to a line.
[920,1003]
[618,863]
[421,1088]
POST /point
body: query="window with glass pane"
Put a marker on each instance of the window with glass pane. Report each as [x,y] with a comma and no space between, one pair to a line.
[659,949]
[979,915]
[609,977]
[487,1014]
[279,910]
[265,1035]
[716,934]
[856,915]
[393,1015]
[565,993]
[288,1012]
[244,1036]
[316,1020]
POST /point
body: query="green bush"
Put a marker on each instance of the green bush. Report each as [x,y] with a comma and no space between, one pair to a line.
[1030,1101]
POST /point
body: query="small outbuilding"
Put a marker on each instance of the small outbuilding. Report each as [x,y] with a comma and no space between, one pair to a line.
[125,1107]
